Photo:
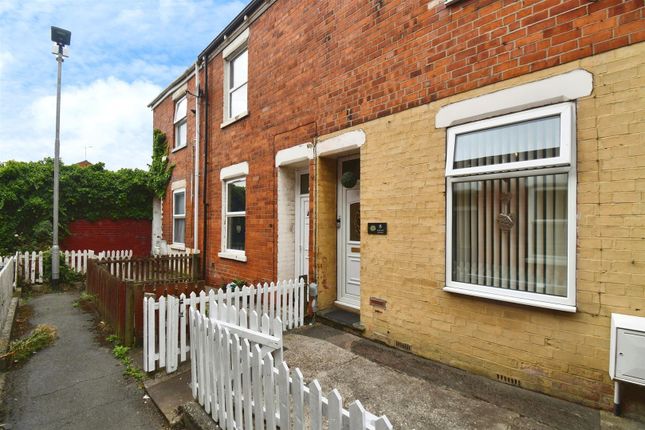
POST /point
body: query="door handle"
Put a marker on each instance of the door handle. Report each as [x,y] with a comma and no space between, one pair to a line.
[338,222]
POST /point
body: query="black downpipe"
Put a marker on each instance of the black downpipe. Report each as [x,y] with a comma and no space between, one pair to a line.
[205,172]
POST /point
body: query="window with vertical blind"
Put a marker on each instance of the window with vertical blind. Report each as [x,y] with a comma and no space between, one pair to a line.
[511,208]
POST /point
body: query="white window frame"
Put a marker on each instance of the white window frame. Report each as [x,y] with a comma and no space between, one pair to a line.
[178,122]
[565,163]
[175,216]
[233,254]
[230,53]
[566,111]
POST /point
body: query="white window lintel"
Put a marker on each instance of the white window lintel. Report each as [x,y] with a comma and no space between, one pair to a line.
[294,155]
[236,43]
[176,185]
[342,143]
[565,87]
[236,170]
[180,92]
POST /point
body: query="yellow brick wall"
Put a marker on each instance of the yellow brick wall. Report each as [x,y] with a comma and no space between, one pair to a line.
[325,231]
[403,184]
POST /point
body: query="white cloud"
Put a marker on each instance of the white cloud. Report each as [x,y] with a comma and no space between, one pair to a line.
[122,54]
[106,116]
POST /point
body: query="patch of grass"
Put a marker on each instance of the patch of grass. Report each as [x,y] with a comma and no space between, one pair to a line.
[22,349]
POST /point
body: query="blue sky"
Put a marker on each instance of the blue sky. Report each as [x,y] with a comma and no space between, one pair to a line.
[122,54]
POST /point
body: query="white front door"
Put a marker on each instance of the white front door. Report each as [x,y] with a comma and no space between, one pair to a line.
[349,235]
[302,225]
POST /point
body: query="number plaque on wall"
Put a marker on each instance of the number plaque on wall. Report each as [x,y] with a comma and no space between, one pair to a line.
[376,228]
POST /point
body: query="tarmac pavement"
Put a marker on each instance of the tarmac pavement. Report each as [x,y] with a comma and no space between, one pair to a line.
[75,383]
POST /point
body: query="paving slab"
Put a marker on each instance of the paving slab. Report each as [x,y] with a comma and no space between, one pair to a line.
[75,383]
[170,392]
[417,394]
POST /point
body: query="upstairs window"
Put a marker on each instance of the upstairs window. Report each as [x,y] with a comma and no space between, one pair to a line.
[511,208]
[181,108]
[237,77]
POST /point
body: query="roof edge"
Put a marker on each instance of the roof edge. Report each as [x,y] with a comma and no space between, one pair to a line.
[232,26]
[188,73]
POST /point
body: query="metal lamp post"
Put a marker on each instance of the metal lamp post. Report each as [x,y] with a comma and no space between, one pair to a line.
[61,39]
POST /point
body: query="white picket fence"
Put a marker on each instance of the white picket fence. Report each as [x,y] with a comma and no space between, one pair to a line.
[11,262]
[241,388]
[6,287]
[285,299]
[29,266]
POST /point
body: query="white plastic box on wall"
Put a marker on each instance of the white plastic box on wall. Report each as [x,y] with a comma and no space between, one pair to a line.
[626,353]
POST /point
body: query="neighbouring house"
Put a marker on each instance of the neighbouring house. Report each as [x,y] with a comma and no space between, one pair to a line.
[83,163]
[467,175]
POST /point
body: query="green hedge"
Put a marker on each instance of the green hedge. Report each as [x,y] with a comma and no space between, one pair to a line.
[90,193]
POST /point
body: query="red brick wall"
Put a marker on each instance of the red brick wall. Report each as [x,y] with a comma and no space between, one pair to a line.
[108,235]
[320,66]
[381,60]
[182,160]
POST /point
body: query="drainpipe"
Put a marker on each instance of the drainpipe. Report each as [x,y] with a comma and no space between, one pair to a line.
[316,179]
[196,149]
[205,174]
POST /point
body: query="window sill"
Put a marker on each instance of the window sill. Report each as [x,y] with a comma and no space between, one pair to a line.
[517,300]
[178,246]
[236,118]
[179,148]
[237,256]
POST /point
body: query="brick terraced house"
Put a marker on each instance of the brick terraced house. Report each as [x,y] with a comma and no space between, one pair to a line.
[467,175]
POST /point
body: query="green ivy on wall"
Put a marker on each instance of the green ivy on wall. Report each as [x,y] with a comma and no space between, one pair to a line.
[160,172]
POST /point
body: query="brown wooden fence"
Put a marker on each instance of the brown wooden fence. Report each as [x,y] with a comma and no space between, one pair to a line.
[157,268]
[120,285]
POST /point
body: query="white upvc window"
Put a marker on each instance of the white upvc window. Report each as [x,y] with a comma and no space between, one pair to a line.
[234,212]
[180,121]
[179,216]
[237,81]
[234,219]
[511,208]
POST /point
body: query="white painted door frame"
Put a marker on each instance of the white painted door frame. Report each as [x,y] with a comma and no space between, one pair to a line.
[348,252]
[301,235]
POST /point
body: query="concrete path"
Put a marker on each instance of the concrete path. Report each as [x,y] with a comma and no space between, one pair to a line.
[418,394]
[75,383]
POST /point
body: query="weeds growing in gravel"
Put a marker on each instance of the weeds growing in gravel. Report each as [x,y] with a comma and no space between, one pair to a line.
[121,353]
[84,299]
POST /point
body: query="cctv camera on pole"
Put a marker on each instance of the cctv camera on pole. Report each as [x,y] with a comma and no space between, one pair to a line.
[62,39]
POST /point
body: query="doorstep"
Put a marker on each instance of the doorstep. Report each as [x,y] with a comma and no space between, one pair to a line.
[342,320]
